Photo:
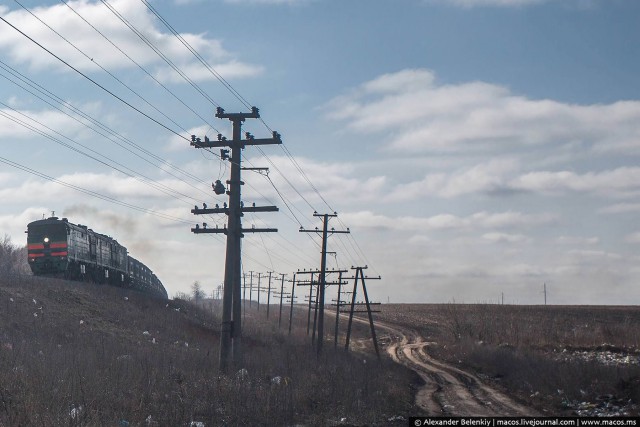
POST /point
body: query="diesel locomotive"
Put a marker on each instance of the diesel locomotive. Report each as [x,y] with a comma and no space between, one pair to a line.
[58,248]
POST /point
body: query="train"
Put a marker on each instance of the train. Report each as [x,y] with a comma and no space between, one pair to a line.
[58,248]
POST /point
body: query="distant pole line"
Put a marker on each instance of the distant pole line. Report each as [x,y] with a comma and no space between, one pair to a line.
[320,300]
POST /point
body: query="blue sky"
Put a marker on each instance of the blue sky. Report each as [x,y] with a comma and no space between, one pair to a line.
[474,147]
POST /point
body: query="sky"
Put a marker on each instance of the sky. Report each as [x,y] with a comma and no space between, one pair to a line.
[477,150]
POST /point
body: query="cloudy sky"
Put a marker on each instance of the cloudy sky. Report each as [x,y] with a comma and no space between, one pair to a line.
[475,148]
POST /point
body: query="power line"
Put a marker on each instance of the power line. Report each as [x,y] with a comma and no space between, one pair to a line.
[140,66]
[93,81]
[248,105]
[159,53]
[92,193]
[160,187]
[54,98]
[186,44]
[102,68]
[354,244]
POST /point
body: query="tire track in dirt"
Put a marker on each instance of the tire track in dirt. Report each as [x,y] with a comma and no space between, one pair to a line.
[447,390]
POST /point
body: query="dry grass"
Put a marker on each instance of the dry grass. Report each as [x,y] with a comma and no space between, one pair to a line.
[79,354]
[522,348]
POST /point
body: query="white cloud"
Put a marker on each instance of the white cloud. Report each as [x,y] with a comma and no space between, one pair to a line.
[489,177]
[477,117]
[633,237]
[619,208]
[479,220]
[620,182]
[65,22]
[504,237]
[503,177]
[289,2]
[575,240]
[197,72]
[495,3]
[11,128]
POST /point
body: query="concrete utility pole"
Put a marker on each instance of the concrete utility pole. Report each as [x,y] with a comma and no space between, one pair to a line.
[259,289]
[281,295]
[293,293]
[269,295]
[231,326]
[323,268]
[338,308]
[250,289]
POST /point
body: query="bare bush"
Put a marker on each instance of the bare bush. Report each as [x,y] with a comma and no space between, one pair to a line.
[13,258]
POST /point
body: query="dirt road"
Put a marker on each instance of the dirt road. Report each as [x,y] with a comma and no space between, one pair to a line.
[447,390]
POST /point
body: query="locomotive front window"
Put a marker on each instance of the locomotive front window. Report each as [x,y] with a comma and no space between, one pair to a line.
[47,233]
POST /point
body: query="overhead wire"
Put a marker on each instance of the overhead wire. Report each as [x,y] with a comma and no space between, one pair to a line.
[186,44]
[248,105]
[102,68]
[354,244]
[93,81]
[203,61]
[91,192]
[159,52]
[106,160]
[112,133]
[139,66]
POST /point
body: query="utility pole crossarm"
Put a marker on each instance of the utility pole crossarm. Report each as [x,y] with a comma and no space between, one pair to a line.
[318,271]
[207,143]
[259,230]
[198,230]
[347,231]
[203,211]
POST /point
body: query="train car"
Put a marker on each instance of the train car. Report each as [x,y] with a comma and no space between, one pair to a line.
[58,248]
[141,278]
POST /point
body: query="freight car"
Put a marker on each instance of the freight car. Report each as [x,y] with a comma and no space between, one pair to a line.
[58,248]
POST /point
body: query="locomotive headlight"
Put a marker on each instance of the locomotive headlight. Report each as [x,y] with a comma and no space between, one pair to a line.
[46,240]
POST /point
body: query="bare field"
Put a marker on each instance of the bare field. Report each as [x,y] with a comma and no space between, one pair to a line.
[560,360]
